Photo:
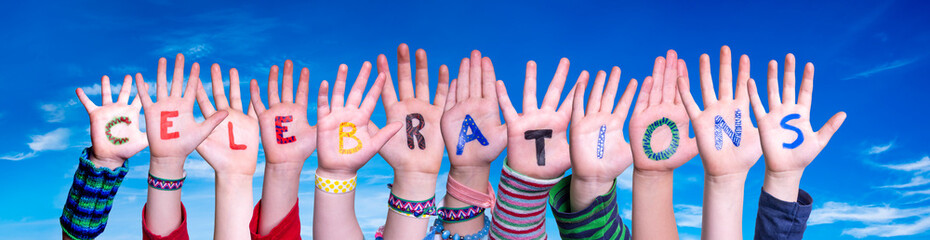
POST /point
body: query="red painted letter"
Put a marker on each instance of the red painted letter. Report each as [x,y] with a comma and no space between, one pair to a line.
[232,140]
[279,129]
[165,124]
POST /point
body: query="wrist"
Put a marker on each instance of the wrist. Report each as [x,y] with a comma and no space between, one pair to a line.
[336,174]
[474,177]
[168,168]
[652,173]
[414,185]
[235,180]
[732,178]
[590,187]
[108,162]
[783,185]
[283,170]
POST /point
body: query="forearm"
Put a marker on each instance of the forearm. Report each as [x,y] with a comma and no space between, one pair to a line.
[653,213]
[723,206]
[783,185]
[583,191]
[411,186]
[473,177]
[334,213]
[279,193]
[233,206]
[163,207]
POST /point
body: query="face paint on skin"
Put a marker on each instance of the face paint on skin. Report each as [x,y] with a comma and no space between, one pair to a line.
[720,127]
[279,129]
[540,136]
[117,120]
[647,140]
[165,124]
[350,134]
[464,137]
[784,124]
[414,131]
[232,140]
[601,138]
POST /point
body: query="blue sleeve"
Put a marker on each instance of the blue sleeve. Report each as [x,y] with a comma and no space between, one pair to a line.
[778,219]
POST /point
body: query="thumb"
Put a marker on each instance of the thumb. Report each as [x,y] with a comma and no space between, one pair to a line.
[826,132]
[210,123]
[385,134]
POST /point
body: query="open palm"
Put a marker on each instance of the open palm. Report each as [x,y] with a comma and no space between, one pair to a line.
[232,147]
[594,158]
[286,134]
[473,94]
[114,127]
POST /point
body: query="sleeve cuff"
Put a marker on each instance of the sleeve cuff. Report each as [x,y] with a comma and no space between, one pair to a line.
[600,220]
[288,228]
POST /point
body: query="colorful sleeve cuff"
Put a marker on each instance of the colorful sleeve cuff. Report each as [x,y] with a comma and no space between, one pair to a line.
[90,198]
[600,220]
[521,206]
[778,219]
[179,233]
[288,228]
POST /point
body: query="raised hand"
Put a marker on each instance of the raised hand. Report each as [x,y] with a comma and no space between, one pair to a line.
[471,125]
[114,127]
[599,153]
[232,147]
[788,140]
[545,125]
[726,137]
[659,125]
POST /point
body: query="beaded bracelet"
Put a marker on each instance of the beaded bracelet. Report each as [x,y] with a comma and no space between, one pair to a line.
[417,209]
[166,184]
[438,228]
[335,186]
[447,214]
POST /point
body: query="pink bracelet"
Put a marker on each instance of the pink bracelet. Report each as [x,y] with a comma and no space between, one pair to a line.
[470,196]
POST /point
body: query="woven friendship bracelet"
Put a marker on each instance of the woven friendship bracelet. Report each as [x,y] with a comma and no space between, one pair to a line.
[166,184]
[335,186]
[417,209]
[91,196]
[470,196]
[459,214]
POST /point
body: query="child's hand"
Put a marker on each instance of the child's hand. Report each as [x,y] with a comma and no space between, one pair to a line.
[788,140]
[287,137]
[728,142]
[659,126]
[232,147]
[472,104]
[114,127]
[346,143]
[536,142]
[420,150]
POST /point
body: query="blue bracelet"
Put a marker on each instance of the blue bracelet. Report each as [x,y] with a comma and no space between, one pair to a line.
[437,228]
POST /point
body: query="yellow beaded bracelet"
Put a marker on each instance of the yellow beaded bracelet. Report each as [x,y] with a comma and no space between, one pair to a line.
[335,186]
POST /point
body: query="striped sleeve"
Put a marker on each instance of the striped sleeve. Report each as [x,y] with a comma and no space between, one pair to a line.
[90,199]
[521,206]
[600,220]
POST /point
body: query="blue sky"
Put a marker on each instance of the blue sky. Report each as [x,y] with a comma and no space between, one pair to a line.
[872,181]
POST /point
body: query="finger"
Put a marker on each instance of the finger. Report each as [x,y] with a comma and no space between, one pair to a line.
[642,101]
[624,106]
[142,90]
[235,93]
[610,93]
[105,94]
[219,91]
[684,88]
[256,97]
[161,80]
[807,86]
[368,105]
[826,132]
[136,102]
[488,78]
[422,76]
[682,71]
[303,87]
[177,80]
[510,114]
[372,128]
[742,77]
[210,123]
[774,95]
[450,100]
[597,91]
[388,95]
[273,86]
[339,87]
[442,88]
[287,83]
[125,90]
[726,73]
[193,83]
[551,100]
[88,104]
[529,87]
[322,103]
[578,102]
[358,88]
[404,79]
[658,75]
[385,134]
[788,88]
[565,110]
[670,84]
[754,100]
[462,88]
[252,112]
[474,74]
[206,108]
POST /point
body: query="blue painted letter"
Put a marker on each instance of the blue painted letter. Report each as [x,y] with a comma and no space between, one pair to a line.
[784,124]
[464,137]
[720,127]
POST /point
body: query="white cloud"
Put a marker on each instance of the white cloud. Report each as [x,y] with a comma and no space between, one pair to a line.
[123,70]
[55,140]
[832,212]
[688,215]
[55,112]
[625,180]
[921,165]
[916,181]
[94,90]
[18,156]
[880,148]
[891,230]
[884,67]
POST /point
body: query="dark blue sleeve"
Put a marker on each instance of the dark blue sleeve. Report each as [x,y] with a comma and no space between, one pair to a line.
[778,219]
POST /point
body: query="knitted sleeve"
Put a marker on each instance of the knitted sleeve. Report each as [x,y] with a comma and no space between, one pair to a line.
[90,198]
[600,220]
[521,206]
